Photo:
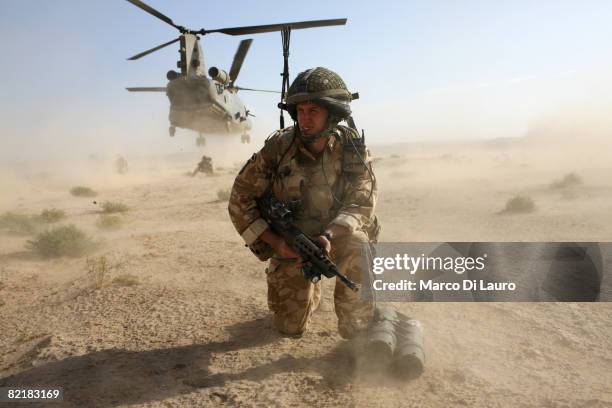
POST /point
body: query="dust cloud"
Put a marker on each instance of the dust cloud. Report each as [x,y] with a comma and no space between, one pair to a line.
[173,297]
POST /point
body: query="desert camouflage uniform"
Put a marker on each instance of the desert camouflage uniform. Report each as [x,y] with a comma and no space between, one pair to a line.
[286,167]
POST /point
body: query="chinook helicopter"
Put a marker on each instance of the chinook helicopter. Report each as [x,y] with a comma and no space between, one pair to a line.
[210,104]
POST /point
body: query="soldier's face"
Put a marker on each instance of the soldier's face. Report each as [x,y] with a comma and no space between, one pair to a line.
[312,118]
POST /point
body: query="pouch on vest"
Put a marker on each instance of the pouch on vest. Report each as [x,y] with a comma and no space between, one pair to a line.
[352,158]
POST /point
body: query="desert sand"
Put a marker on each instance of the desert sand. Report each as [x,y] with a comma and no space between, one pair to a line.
[189,326]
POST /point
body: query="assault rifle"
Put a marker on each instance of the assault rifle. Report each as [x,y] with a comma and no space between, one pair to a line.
[315,261]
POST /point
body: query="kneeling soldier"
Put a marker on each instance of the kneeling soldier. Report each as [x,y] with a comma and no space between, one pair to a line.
[323,171]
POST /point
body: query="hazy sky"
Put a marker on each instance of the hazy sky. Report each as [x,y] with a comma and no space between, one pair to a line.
[425,70]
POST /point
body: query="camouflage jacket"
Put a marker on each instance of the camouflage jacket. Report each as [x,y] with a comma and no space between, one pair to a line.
[332,188]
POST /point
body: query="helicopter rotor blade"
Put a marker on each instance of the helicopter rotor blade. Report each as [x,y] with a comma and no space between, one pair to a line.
[239,88]
[147,89]
[149,51]
[143,6]
[276,27]
[241,53]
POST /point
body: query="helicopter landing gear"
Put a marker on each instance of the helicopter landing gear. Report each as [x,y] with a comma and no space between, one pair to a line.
[171,131]
[246,138]
[200,140]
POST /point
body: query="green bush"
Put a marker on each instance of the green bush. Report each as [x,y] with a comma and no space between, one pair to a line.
[109,222]
[82,191]
[19,223]
[98,272]
[519,204]
[224,194]
[50,215]
[110,207]
[61,241]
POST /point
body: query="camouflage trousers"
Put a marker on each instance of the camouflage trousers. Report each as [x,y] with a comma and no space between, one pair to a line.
[293,299]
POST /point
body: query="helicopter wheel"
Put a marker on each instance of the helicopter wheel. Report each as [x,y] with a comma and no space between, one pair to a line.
[171,131]
[200,141]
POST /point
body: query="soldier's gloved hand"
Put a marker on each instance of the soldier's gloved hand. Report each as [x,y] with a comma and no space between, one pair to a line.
[324,243]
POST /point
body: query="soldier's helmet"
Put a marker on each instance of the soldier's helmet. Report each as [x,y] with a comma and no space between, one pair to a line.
[320,86]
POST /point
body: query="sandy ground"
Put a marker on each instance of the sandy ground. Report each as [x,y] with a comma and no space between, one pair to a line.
[195,329]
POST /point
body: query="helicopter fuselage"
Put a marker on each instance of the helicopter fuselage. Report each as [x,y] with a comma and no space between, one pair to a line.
[204,105]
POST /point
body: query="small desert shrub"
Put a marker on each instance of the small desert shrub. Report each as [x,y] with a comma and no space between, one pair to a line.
[82,191]
[110,207]
[109,222]
[98,272]
[19,223]
[126,279]
[61,241]
[224,194]
[519,204]
[569,180]
[50,215]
